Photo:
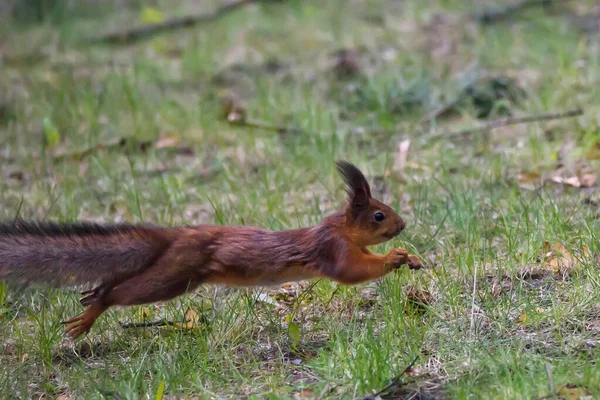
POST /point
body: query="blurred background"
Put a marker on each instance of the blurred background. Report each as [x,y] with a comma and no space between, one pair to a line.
[478,121]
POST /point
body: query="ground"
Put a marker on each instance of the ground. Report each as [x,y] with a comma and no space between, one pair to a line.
[505,219]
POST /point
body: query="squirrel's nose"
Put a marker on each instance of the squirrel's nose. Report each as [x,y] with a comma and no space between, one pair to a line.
[401,224]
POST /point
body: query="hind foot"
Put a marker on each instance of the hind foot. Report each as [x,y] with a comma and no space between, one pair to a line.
[82,323]
[78,326]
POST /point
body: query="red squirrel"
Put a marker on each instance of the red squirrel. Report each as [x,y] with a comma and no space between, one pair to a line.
[139,264]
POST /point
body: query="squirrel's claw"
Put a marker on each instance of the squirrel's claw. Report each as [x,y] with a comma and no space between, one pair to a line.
[414,262]
[78,325]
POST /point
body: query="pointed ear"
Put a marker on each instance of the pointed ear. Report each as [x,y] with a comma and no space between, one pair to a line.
[357,187]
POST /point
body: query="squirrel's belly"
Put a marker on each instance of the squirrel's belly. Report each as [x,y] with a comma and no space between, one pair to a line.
[276,281]
[269,277]
[287,274]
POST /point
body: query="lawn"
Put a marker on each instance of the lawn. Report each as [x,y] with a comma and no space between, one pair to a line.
[505,219]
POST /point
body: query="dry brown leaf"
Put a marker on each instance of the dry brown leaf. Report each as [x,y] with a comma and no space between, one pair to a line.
[167,141]
[144,313]
[418,296]
[584,180]
[412,371]
[546,247]
[571,181]
[585,252]
[237,117]
[496,288]
[401,156]
[233,111]
[523,317]
[593,153]
[304,394]
[191,320]
[587,180]
[529,180]
[557,258]
[573,392]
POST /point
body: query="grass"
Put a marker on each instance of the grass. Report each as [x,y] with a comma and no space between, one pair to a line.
[501,322]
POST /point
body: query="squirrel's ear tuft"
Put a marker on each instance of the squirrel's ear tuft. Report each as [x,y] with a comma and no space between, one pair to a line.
[357,187]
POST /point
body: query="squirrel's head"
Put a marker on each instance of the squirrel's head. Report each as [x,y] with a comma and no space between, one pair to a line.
[372,222]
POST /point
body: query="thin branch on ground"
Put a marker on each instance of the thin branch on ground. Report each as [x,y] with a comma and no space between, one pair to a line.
[281,130]
[498,123]
[135,34]
[395,383]
[79,155]
[494,15]
[119,143]
[151,323]
[235,114]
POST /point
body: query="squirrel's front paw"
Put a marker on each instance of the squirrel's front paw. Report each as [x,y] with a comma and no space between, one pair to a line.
[396,258]
[414,262]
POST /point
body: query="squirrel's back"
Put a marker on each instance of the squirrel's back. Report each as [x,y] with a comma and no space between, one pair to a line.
[77,253]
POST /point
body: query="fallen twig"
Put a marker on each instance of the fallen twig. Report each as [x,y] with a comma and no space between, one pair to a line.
[118,143]
[235,113]
[281,130]
[513,121]
[151,323]
[494,15]
[132,35]
[395,383]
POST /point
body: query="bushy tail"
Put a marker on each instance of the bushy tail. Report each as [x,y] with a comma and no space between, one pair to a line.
[78,253]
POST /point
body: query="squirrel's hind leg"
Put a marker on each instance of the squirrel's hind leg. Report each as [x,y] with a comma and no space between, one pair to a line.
[170,276]
[83,322]
[143,289]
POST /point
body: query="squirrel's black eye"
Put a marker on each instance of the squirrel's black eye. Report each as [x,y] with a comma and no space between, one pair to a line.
[378,216]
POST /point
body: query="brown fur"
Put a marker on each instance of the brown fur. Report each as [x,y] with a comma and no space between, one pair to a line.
[132,264]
